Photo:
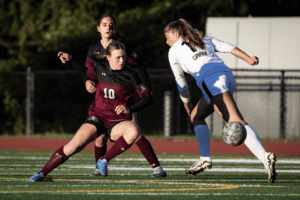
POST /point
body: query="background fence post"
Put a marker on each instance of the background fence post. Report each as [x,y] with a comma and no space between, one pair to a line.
[29,102]
[282,106]
[168,114]
[178,114]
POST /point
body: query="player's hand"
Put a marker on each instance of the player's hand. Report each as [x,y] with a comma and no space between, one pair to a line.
[64,57]
[253,60]
[121,109]
[187,107]
[90,86]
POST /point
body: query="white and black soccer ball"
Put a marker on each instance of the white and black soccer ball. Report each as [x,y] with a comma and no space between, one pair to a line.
[234,133]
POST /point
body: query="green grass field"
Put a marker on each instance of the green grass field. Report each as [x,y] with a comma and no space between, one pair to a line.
[231,177]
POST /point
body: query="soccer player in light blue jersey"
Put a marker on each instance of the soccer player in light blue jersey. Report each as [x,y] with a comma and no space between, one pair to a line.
[191,53]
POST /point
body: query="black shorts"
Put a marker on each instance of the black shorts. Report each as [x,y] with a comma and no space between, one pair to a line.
[107,133]
[98,123]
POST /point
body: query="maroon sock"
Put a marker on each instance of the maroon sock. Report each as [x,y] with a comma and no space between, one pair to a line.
[56,159]
[119,147]
[146,149]
[99,152]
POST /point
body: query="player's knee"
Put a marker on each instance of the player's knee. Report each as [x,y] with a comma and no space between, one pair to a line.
[198,121]
[72,148]
[100,140]
[133,132]
[139,132]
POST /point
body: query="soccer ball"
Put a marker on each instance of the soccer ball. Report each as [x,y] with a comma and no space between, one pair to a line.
[234,133]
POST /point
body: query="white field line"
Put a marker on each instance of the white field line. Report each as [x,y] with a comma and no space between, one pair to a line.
[101,184]
[173,180]
[285,161]
[33,166]
[110,168]
[231,169]
[174,194]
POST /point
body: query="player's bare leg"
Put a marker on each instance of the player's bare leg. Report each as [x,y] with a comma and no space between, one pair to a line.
[225,107]
[86,134]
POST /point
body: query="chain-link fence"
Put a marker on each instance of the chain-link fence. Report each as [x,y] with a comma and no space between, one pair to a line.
[58,102]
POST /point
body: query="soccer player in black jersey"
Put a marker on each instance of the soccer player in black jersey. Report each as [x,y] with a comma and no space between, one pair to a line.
[113,105]
[97,51]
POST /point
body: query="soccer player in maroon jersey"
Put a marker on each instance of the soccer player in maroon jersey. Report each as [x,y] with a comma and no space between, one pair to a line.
[97,51]
[112,108]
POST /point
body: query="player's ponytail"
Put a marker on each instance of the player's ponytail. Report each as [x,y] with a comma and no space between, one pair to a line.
[193,36]
[187,32]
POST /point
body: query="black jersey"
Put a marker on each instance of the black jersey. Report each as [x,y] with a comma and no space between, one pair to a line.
[114,88]
[97,52]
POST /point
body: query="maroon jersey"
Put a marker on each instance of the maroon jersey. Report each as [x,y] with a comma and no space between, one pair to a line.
[114,88]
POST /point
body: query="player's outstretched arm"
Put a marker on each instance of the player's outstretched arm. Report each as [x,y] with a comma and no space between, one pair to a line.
[64,57]
[81,69]
[242,55]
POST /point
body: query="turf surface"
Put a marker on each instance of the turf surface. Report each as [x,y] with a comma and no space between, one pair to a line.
[231,177]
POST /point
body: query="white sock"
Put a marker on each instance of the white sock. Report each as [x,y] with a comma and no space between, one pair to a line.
[205,158]
[253,143]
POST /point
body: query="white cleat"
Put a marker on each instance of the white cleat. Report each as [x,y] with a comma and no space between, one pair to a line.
[269,163]
[199,167]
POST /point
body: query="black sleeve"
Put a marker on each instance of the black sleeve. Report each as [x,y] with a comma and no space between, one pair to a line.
[143,103]
[140,67]
[80,69]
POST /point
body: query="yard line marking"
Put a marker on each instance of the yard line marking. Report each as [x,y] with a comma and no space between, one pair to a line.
[113,168]
[169,193]
[285,161]
[182,169]
[291,161]
[202,186]
[103,184]
[181,180]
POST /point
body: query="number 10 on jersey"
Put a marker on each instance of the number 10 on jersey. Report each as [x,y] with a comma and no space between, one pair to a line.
[109,93]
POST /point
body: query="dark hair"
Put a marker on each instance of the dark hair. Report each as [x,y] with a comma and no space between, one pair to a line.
[116,44]
[108,15]
[187,32]
[114,35]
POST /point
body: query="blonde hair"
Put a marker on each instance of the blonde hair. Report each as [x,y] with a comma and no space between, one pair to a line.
[187,32]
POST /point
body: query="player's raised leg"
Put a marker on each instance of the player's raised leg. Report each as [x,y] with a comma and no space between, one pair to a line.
[226,107]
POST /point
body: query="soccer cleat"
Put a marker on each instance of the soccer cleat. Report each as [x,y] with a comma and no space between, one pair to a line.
[199,167]
[159,172]
[96,172]
[102,167]
[270,166]
[37,177]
